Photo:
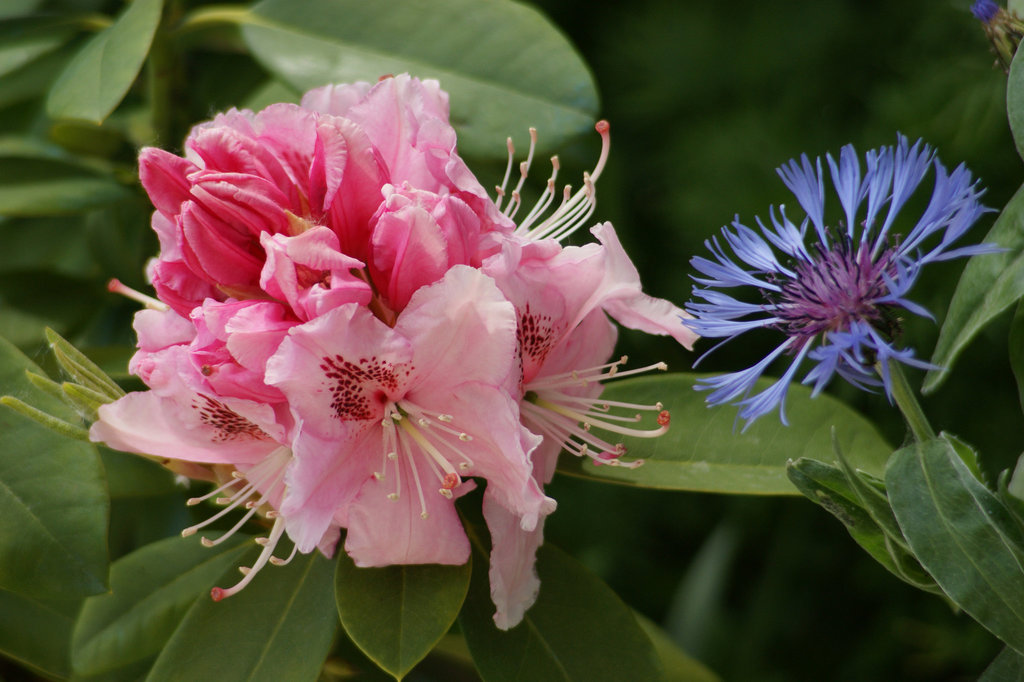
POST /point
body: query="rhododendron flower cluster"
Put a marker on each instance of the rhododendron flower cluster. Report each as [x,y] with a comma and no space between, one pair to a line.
[349,331]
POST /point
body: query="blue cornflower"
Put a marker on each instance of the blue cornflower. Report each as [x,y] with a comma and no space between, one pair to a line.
[837,293]
[985,10]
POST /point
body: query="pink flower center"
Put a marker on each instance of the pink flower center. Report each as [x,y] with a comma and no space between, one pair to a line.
[413,434]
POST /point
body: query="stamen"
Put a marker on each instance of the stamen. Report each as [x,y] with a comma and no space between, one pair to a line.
[500,189]
[575,210]
[269,544]
[117,287]
[552,408]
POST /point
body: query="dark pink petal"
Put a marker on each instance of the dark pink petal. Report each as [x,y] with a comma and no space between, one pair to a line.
[164,176]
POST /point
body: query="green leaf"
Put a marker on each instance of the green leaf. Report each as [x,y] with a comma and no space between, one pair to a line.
[579,630]
[132,476]
[279,627]
[53,499]
[1016,349]
[1015,101]
[97,79]
[37,632]
[704,449]
[990,284]
[961,533]
[40,186]
[396,614]
[829,487]
[677,666]
[525,73]
[1008,666]
[151,589]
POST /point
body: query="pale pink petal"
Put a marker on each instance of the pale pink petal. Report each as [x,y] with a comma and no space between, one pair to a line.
[382,531]
[339,368]
[463,329]
[324,477]
[513,576]
[194,428]
[335,99]
[622,298]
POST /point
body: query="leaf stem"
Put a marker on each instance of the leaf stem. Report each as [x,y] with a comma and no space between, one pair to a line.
[907,402]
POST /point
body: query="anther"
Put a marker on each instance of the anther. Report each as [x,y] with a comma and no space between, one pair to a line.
[664,418]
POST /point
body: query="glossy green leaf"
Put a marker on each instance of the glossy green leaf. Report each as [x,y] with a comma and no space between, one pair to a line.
[525,73]
[396,614]
[578,630]
[151,589]
[99,76]
[705,449]
[53,498]
[990,284]
[279,627]
[676,665]
[40,187]
[961,533]
[37,632]
[1008,666]
[132,476]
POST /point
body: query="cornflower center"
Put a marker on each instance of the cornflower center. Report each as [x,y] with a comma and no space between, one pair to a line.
[843,285]
[412,434]
[558,407]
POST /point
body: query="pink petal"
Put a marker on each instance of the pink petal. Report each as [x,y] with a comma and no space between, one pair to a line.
[382,531]
[513,576]
[622,298]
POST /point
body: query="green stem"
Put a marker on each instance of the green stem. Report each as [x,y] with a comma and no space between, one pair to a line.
[162,70]
[907,402]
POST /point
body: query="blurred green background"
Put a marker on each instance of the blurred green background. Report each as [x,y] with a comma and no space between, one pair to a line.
[705,99]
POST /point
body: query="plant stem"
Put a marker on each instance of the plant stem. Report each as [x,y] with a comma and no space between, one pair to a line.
[162,69]
[907,402]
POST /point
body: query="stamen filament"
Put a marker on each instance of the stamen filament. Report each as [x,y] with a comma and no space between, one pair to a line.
[218,593]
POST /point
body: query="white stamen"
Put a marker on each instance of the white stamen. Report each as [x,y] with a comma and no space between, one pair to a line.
[575,209]
[269,544]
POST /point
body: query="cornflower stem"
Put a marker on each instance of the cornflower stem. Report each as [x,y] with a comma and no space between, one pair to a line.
[907,402]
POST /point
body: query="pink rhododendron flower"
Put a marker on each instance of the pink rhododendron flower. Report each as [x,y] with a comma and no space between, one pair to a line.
[350,331]
[345,161]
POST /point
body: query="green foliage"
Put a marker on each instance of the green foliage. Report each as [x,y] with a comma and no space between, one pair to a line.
[397,614]
[286,625]
[962,534]
[555,641]
[53,499]
[524,74]
[990,284]
[150,592]
[99,76]
[705,449]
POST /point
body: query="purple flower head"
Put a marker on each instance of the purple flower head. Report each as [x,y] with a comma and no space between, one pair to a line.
[837,292]
[984,10]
